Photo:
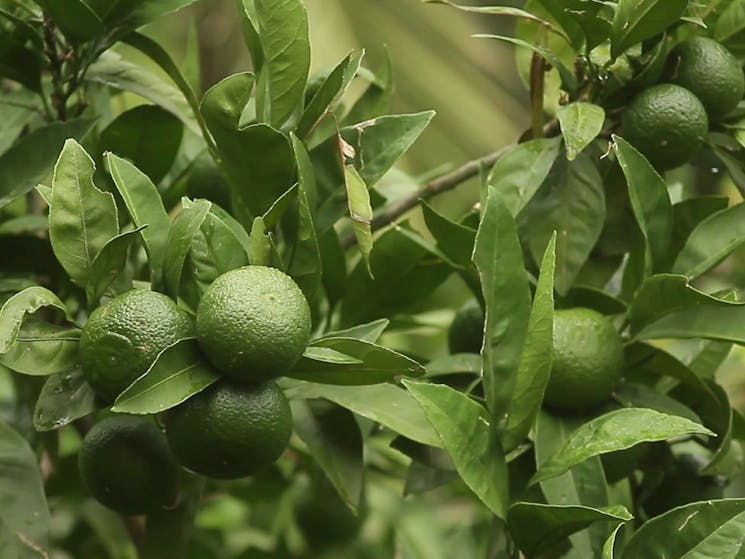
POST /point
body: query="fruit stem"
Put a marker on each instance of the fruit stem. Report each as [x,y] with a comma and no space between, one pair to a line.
[537,86]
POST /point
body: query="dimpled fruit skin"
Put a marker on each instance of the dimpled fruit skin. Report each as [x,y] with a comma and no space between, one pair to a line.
[253,323]
[126,465]
[123,337]
[587,360]
[667,123]
[230,430]
[467,330]
[709,71]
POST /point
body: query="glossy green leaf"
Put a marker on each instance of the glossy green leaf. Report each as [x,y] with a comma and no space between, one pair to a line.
[587,23]
[498,258]
[76,19]
[518,174]
[111,70]
[282,33]
[401,277]
[304,265]
[470,440]
[613,431]
[14,311]
[711,241]
[31,159]
[182,232]
[641,357]
[259,246]
[665,293]
[331,90]
[584,484]
[82,218]
[64,398]
[329,355]
[455,363]
[386,404]
[378,364]
[650,201]
[730,27]
[179,372]
[687,215]
[610,544]
[19,62]
[24,513]
[377,98]
[335,442]
[537,527]
[637,395]
[148,136]
[572,203]
[145,208]
[43,349]
[638,20]
[258,159]
[378,143]
[360,211]
[706,529]
[535,361]
[712,322]
[108,264]
[581,122]
[369,332]
[456,241]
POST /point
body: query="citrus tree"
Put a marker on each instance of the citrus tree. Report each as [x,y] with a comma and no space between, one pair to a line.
[213,304]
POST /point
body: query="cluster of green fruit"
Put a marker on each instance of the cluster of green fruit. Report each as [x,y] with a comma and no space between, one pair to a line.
[668,122]
[252,324]
[587,355]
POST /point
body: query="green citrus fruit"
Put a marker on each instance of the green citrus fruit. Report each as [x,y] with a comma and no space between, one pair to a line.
[230,430]
[667,123]
[467,330]
[587,360]
[123,337]
[253,323]
[126,465]
[709,71]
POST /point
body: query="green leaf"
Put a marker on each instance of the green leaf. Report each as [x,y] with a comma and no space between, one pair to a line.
[402,277]
[535,361]
[369,332]
[19,62]
[328,355]
[713,239]
[82,218]
[259,246]
[581,20]
[456,241]
[136,14]
[687,215]
[25,514]
[613,431]
[378,143]
[498,258]
[305,265]
[386,404]
[637,20]
[584,484]
[335,442]
[711,322]
[610,544]
[470,440]
[581,123]
[31,159]
[282,29]
[258,159]
[637,395]
[64,398]
[148,136]
[537,527]
[145,208]
[572,203]
[180,237]
[179,372]
[518,174]
[665,293]
[706,529]
[331,90]
[644,358]
[112,70]
[43,349]
[15,309]
[76,19]
[108,264]
[649,200]
[376,99]
[730,27]
[214,250]
[377,364]
[455,363]
[360,211]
